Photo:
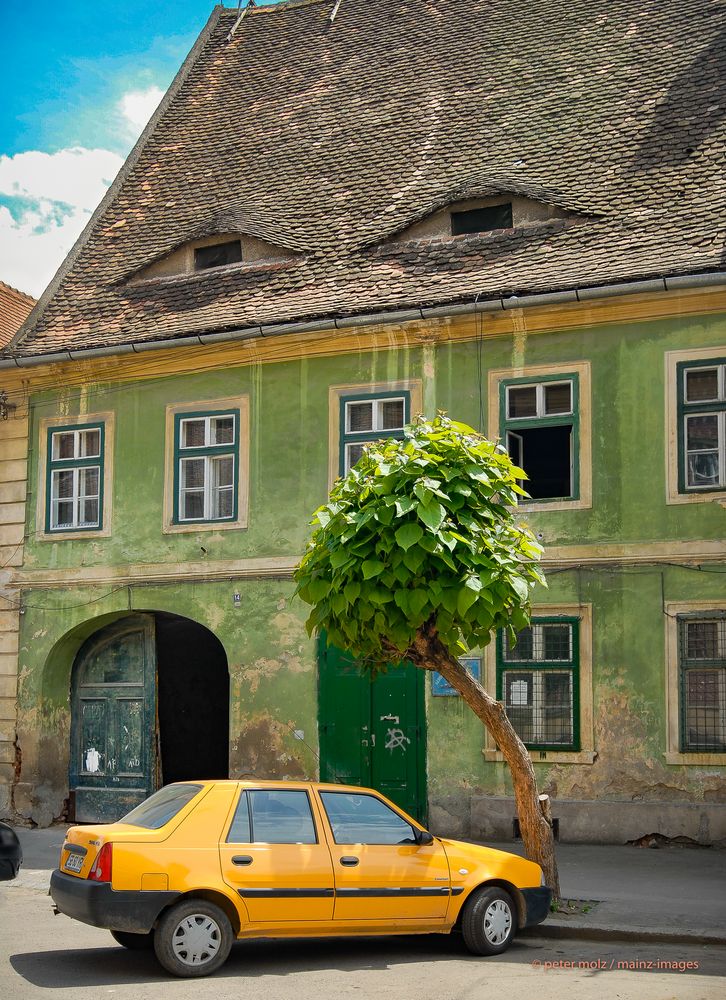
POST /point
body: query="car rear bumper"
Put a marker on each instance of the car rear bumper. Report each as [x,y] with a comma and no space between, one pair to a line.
[537,902]
[98,904]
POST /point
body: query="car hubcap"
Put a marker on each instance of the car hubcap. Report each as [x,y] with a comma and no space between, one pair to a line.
[497,922]
[196,939]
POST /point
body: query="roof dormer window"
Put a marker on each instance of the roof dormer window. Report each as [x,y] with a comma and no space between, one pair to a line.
[217,255]
[482,220]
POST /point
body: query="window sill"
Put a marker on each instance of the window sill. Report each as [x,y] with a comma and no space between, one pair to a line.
[675,757]
[551,756]
[190,527]
[74,533]
[529,507]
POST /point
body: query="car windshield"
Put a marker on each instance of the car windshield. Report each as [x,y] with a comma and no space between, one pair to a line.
[162,806]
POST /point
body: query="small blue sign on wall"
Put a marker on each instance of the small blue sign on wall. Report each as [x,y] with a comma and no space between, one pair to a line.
[442,689]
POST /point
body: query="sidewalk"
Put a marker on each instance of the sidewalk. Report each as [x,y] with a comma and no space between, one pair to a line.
[670,895]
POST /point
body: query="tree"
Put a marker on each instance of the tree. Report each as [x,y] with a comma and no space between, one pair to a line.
[417,556]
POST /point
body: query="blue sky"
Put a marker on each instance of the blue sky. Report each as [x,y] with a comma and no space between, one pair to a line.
[79,80]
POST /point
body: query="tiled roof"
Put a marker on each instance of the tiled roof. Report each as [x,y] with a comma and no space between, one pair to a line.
[14,307]
[329,138]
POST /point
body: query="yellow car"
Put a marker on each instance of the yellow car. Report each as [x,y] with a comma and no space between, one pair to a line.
[199,864]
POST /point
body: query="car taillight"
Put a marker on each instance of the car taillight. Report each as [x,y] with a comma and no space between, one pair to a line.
[103,865]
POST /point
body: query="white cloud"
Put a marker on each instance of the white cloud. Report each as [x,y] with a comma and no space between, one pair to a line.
[47,200]
[137,106]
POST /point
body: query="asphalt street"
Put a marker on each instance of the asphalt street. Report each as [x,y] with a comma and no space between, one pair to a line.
[40,952]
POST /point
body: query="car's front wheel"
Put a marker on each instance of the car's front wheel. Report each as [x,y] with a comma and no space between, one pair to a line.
[489,921]
[135,942]
[193,938]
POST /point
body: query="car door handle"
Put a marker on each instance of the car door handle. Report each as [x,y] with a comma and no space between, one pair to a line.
[349,861]
[241,859]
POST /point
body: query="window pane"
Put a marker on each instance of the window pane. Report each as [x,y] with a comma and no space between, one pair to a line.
[63,484]
[90,443]
[89,513]
[88,481]
[547,460]
[193,473]
[281,817]
[555,716]
[558,398]
[161,807]
[217,255]
[554,643]
[239,832]
[222,471]
[63,514]
[364,819]
[353,452]
[223,504]
[64,445]
[518,701]
[360,416]
[702,639]
[192,504]
[702,432]
[193,433]
[391,414]
[705,710]
[522,401]
[703,469]
[701,384]
[522,648]
[222,430]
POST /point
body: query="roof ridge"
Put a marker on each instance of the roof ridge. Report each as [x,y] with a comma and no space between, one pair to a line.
[12,288]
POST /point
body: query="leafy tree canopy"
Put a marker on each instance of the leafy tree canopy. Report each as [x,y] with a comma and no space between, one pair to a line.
[422,530]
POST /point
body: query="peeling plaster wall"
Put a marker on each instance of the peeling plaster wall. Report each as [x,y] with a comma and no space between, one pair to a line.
[272,662]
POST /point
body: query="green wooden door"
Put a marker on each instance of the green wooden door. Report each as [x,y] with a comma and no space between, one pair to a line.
[113,720]
[372,732]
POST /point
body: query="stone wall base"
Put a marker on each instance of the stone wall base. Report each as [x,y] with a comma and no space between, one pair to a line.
[601,822]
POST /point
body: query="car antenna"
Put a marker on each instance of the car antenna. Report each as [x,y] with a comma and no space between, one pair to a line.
[314,752]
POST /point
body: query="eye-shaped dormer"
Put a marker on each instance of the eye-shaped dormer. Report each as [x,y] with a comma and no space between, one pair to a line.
[213,252]
[481,215]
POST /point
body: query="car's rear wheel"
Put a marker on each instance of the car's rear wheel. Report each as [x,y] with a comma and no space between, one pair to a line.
[135,942]
[193,938]
[489,921]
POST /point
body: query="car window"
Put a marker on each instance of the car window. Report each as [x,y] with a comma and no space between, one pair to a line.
[159,808]
[239,832]
[273,816]
[364,819]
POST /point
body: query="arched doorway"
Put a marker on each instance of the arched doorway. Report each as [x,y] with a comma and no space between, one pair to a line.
[149,705]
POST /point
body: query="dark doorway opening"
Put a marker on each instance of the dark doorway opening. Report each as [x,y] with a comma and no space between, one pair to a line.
[193,701]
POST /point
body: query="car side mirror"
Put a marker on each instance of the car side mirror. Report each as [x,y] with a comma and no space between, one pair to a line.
[423,838]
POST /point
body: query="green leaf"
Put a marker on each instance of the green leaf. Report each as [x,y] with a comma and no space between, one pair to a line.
[466,597]
[418,599]
[404,505]
[408,534]
[519,586]
[414,559]
[371,568]
[352,592]
[432,514]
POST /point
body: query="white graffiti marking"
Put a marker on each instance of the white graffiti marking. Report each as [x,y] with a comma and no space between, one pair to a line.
[396,738]
[93,760]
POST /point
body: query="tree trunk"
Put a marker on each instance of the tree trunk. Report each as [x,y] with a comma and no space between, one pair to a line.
[534,817]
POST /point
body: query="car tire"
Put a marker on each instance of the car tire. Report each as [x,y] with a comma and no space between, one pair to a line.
[134,942]
[193,938]
[489,921]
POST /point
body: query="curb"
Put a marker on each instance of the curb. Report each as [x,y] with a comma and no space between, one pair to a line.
[602,933]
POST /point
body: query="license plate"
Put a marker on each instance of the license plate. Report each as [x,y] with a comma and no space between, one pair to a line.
[74,862]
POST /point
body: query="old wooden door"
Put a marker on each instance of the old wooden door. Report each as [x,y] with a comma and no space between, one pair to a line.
[113,720]
[373,733]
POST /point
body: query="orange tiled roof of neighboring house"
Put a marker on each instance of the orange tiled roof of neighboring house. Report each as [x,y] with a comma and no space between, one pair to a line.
[14,308]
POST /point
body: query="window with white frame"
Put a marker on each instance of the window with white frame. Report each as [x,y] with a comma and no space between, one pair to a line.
[365,419]
[206,466]
[538,681]
[540,424]
[702,425]
[702,673]
[74,472]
